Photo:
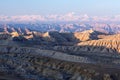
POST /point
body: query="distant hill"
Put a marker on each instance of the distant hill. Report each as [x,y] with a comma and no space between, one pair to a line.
[110,28]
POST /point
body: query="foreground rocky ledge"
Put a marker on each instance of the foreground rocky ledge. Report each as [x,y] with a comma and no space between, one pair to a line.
[32,63]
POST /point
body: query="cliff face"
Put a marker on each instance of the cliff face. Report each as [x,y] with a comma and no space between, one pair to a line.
[113,44]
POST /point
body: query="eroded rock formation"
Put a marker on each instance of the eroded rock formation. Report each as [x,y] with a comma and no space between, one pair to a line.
[88,55]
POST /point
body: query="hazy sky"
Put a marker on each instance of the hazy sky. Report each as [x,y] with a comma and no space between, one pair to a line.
[46,7]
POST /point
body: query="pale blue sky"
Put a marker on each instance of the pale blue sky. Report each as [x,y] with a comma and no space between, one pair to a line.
[45,7]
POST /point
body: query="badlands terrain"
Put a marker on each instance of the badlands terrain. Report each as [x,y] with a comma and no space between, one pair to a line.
[29,54]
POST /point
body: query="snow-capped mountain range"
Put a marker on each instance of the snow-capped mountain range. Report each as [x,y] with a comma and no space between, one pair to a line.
[59,18]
